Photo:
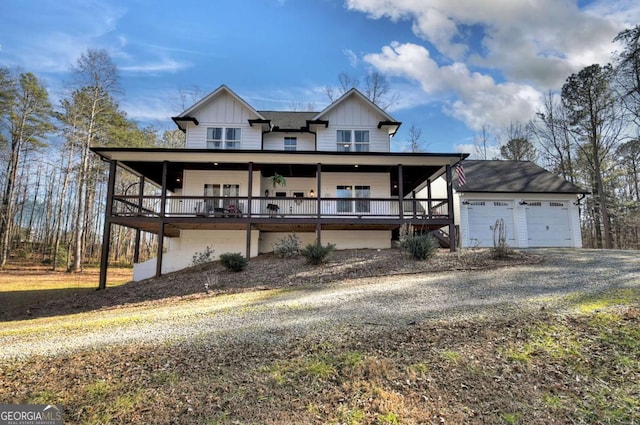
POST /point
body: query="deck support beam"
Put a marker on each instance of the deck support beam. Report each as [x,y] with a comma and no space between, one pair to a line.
[249,207]
[106,231]
[136,249]
[400,193]
[452,226]
[163,206]
[319,203]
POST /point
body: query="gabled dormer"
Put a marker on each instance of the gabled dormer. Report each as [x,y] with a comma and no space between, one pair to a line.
[355,124]
[222,120]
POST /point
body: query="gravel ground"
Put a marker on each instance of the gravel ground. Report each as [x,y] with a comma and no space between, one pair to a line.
[274,316]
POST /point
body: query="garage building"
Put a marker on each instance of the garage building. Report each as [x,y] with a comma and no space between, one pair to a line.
[539,209]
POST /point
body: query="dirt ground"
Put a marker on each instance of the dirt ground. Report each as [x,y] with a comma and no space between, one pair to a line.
[264,272]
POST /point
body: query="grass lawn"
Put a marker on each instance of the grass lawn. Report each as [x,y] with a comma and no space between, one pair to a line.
[26,287]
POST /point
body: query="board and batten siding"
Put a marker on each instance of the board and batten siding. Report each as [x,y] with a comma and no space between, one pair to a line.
[353,114]
[275,141]
[224,111]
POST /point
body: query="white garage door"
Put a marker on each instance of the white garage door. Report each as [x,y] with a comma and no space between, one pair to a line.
[482,219]
[548,223]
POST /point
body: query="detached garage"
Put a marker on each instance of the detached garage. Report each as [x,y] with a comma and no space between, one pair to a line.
[538,208]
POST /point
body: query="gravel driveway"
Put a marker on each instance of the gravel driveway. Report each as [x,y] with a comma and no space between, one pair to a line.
[274,316]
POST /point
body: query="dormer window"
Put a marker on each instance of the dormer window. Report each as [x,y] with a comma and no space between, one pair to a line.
[290,143]
[361,138]
[352,140]
[214,138]
[343,138]
[231,140]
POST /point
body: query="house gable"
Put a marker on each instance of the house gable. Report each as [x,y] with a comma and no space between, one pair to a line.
[223,109]
[353,111]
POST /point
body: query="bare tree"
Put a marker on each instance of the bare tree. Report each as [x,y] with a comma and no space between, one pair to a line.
[628,70]
[554,140]
[481,144]
[96,77]
[377,89]
[414,139]
[596,119]
[187,97]
[28,121]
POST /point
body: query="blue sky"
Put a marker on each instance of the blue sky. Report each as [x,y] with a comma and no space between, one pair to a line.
[456,65]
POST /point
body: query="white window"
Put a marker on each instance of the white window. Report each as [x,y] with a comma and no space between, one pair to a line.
[214,138]
[343,140]
[347,203]
[231,140]
[230,192]
[344,205]
[361,138]
[212,197]
[363,193]
[290,143]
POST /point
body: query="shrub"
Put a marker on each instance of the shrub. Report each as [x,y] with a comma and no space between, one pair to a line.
[233,261]
[420,247]
[500,246]
[203,257]
[316,254]
[287,247]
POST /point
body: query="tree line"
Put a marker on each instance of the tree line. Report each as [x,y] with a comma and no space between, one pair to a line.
[52,187]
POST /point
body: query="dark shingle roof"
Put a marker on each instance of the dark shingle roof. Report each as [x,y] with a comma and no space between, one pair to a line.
[287,120]
[511,176]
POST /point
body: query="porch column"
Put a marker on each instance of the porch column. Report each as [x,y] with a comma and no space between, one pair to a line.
[163,206]
[415,204]
[249,205]
[318,203]
[400,193]
[429,196]
[452,227]
[136,250]
[106,231]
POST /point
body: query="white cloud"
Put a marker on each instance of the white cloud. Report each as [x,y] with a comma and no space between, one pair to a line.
[494,59]
[150,106]
[476,99]
[353,58]
[51,49]
[163,65]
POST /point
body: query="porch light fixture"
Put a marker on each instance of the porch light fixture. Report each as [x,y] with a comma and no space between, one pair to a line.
[523,202]
[356,165]
[312,194]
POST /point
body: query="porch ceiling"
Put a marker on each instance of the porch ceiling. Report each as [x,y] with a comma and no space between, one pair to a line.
[417,167]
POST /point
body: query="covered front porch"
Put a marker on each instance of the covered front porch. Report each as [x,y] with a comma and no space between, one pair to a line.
[171,206]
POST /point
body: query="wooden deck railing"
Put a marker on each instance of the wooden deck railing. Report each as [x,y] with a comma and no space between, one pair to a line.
[263,207]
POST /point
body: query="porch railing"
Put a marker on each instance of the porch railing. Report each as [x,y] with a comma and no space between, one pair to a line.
[230,207]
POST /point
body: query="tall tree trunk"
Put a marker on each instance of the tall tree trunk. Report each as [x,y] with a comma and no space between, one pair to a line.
[61,210]
[8,200]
